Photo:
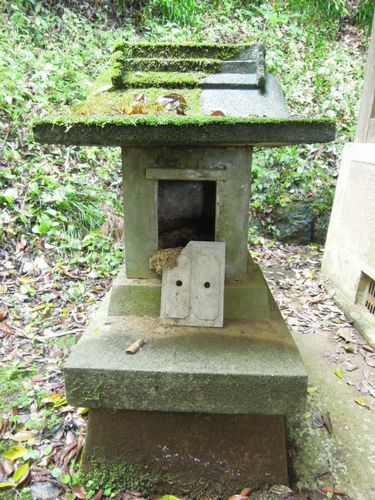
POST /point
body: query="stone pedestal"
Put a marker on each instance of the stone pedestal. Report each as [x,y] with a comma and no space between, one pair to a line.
[196,409]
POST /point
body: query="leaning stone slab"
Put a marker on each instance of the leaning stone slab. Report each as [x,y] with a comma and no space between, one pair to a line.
[243,300]
[193,290]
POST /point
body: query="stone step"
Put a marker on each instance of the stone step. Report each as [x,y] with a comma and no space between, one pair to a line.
[248,300]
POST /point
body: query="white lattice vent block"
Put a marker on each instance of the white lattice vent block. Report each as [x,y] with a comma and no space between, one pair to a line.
[370,297]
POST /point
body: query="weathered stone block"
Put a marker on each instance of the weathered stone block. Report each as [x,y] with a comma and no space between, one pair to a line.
[187,454]
[246,367]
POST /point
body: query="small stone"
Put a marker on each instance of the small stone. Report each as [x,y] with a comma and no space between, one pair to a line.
[44,491]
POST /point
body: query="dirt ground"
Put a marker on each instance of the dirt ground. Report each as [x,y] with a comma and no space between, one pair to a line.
[333,444]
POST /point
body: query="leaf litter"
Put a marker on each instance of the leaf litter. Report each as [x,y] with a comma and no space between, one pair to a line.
[293,274]
[31,345]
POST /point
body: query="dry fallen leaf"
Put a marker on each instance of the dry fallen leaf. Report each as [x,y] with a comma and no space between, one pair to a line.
[140,97]
[333,491]
[135,346]
[345,334]
[79,492]
[280,489]
[173,102]
[137,110]
[361,401]
[348,365]
[104,88]
[6,467]
[368,348]
[22,436]
[246,492]
[370,360]
[6,328]
[3,313]
[327,422]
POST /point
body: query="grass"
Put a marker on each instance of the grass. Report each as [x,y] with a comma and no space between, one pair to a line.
[49,61]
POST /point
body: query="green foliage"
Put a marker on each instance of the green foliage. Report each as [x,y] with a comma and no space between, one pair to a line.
[365,14]
[181,13]
[49,55]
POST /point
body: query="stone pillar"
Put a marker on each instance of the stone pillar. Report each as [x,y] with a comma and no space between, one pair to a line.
[349,256]
[366,117]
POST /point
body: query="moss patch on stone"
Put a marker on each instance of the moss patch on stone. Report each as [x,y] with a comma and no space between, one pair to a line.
[154,120]
[163,79]
[127,103]
[174,65]
[173,57]
[180,50]
[115,476]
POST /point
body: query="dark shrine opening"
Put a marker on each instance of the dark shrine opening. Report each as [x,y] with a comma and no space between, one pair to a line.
[186,212]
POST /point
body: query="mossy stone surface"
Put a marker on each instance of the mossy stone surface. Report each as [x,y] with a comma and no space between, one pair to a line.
[175,50]
[255,364]
[186,454]
[181,130]
[126,107]
[247,300]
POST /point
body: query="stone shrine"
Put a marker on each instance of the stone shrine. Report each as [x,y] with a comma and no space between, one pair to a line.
[200,406]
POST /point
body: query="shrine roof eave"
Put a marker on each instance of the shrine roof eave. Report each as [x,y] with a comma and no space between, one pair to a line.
[182,131]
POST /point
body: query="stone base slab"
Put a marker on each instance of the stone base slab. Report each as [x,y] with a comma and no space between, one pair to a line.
[245,367]
[186,454]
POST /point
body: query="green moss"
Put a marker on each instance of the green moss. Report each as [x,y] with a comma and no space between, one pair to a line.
[156,57]
[174,120]
[155,64]
[115,103]
[121,69]
[163,79]
[180,50]
[115,476]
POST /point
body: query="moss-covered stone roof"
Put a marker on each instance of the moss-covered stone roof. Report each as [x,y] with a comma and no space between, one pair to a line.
[156,97]
[181,130]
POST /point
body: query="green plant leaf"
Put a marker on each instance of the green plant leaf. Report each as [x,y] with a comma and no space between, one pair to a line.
[21,473]
[339,372]
[15,452]
[312,389]
[5,486]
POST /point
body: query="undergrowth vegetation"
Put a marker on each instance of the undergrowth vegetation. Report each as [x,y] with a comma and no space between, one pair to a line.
[60,207]
[50,54]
